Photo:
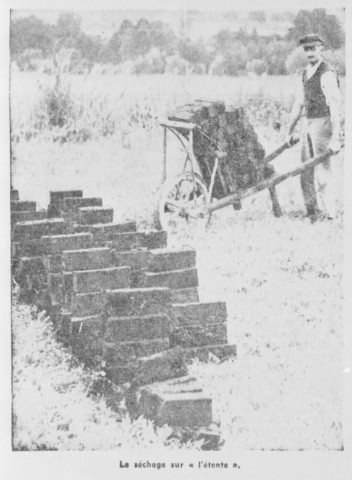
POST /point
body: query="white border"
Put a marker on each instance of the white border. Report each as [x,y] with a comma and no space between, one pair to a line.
[104,465]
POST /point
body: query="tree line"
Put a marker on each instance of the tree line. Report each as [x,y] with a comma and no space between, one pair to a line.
[153,47]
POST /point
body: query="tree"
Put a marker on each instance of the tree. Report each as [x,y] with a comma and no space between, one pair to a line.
[68,25]
[235,60]
[112,51]
[224,40]
[257,66]
[163,37]
[90,47]
[125,25]
[127,45]
[296,61]
[130,41]
[276,53]
[142,38]
[318,21]
[256,49]
[194,52]
[30,33]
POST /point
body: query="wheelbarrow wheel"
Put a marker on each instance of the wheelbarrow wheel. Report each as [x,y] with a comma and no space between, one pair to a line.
[182,204]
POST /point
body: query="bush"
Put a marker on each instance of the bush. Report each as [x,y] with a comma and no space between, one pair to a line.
[26,61]
[57,114]
[257,66]
[217,67]
[296,61]
[236,59]
[177,65]
[337,59]
[276,53]
[152,63]
[59,107]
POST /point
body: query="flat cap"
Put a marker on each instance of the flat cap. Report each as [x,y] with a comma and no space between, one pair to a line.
[311,39]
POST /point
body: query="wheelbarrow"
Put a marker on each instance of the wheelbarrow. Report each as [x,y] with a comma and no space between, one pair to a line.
[189,197]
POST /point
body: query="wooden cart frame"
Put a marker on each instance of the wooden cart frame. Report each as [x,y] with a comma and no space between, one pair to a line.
[200,202]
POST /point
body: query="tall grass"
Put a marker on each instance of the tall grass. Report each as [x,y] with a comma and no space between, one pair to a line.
[96,106]
[105,105]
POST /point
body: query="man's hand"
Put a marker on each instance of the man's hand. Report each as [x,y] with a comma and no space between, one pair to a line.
[334,146]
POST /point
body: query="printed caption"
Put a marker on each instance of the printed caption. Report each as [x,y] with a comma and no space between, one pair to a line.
[196,465]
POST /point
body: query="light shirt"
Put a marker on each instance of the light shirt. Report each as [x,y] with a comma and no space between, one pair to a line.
[328,82]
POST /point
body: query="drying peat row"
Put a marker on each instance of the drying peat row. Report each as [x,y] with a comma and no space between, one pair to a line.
[122,302]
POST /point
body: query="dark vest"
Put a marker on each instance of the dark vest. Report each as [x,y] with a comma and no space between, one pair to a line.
[314,98]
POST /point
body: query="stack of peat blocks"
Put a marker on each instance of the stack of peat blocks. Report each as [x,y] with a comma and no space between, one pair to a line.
[243,165]
[122,301]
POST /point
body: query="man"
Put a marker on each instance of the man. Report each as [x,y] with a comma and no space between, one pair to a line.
[318,102]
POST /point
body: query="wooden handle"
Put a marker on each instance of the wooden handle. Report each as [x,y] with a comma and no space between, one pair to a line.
[279,150]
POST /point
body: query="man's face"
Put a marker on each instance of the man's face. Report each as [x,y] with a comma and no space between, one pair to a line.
[313,52]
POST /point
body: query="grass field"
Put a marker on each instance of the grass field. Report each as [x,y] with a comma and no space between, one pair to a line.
[281,278]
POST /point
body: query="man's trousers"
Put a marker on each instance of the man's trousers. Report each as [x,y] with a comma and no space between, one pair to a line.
[318,184]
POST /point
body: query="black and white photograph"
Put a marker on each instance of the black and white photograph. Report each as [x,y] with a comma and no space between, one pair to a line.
[178,220]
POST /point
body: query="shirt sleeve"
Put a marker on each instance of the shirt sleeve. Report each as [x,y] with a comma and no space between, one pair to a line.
[330,88]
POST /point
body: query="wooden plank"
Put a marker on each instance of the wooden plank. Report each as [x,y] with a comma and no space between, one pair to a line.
[177,125]
[275,202]
[268,183]
[163,178]
[232,186]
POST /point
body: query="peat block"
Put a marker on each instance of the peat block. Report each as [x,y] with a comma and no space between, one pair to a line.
[190,314]
[177,402]
[54,244]
[174,279]
[137,328]
[164,259]
[101,279]
[84,304]
[117,354]
[28,216]
[243,164]
[93,215]
[198,335]
[160,366]
[184,295]
[137,301]
[87,259]
[37,228]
